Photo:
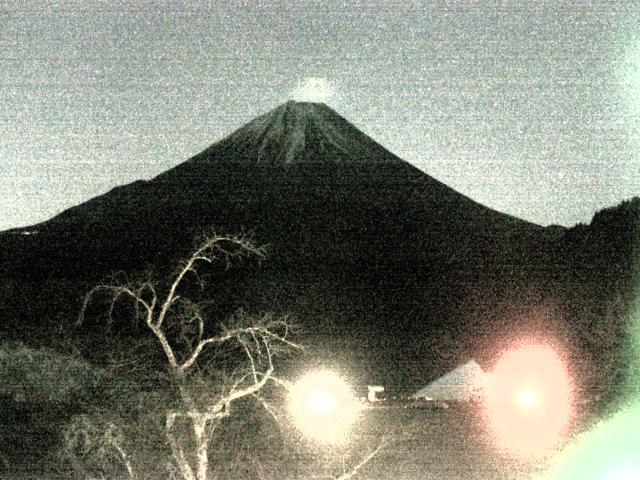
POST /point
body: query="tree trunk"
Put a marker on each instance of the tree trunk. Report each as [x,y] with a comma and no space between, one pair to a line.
[199,429]
[176,449]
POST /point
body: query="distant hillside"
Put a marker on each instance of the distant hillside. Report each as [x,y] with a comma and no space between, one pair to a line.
[392,271]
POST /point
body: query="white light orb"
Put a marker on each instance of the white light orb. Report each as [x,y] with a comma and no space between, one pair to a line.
[527,398]
[321,402]
[323,406]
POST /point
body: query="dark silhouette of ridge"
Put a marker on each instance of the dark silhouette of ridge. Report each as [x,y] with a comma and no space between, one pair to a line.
[384,265]
[307,182]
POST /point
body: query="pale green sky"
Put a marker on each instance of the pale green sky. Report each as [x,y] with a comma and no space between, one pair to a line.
[531,108]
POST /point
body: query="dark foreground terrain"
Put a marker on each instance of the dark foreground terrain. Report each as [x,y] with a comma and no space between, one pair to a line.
[388,273]
[449,444]
[420,443]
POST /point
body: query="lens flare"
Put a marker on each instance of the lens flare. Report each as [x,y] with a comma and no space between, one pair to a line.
[528,400]
[609,451]
[321,402]
[323,406]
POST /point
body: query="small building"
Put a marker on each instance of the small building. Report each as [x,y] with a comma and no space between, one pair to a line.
[373,391]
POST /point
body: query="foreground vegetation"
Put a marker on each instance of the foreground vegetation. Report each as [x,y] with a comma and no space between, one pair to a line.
[161,405]
[168,390]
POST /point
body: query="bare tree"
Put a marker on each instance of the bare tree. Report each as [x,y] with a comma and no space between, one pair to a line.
[189,344]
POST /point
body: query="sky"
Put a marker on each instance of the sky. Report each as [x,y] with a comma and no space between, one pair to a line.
[531,108]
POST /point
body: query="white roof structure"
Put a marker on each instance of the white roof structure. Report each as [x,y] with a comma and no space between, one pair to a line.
[462,383]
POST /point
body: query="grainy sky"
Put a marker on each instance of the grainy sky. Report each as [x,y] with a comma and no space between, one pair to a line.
[531,108]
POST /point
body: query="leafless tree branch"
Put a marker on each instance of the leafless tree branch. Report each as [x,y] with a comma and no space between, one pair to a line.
[179,326]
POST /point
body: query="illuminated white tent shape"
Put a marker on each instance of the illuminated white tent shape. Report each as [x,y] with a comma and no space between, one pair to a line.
[460,384]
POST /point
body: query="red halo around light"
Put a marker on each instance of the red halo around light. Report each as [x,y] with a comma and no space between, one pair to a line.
[528,400]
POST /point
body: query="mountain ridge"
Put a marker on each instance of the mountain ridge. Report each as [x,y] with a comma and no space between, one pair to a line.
[298,143]
[295,126]
[364,249]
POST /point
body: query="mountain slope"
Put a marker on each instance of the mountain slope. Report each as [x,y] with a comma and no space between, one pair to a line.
[383,265]
[309,183]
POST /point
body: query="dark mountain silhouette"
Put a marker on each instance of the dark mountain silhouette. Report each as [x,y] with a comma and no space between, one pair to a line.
[307,182]
[393,272]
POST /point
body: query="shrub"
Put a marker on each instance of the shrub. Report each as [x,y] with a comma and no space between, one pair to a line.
[44,376]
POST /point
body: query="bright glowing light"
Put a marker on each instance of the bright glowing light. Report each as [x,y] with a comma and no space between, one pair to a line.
[323,406]
[528,400]
[623,471]
[313,90]
[610,451]
[321,402]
